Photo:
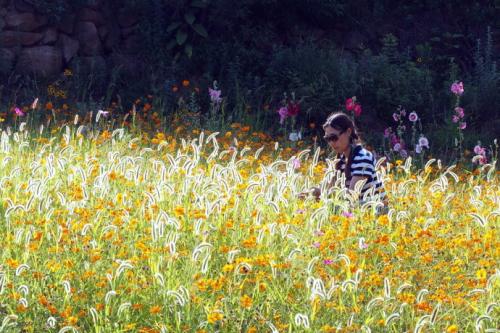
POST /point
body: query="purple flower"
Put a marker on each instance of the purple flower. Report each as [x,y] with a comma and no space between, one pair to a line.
[397,147]
[215,95]
[283,112]
[394,139]
[457,88]
[19,112]
[423,142]
[296,163]
[403,153]
[362,244]
[299,211]
[347,214]
[455,119]
[387,132]
[459,111]
[328,261]
[317,244]
[402,113]
[462,125]
[418,149]
[413,117]
[318,233]
[395,116]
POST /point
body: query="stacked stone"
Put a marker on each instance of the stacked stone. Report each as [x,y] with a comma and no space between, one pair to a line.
[30,44]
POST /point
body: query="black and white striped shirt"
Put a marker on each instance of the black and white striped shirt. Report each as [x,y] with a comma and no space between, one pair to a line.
[363,164]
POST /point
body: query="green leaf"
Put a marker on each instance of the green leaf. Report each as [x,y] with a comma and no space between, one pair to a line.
[189,17]
[181,37]
[188,49]
[200,30]
[173,26]
[199,4]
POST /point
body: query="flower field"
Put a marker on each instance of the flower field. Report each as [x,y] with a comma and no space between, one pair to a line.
[203,232]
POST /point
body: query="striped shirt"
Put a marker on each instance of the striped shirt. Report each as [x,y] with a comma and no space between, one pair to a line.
[363,164]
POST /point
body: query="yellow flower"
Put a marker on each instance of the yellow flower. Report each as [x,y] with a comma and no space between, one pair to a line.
[246,302]
[452,329]
[214,316]
[481,274]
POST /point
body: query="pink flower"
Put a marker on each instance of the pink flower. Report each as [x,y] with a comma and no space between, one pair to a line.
[394,139]
[413,117]
[387,132]
[478,150]
[283,112]
[362,244]
[349,104]
[317,244]
[402,113]
[455,119]
[462,125]
[19,112]
[357,110]
[459,111]
[347,214]
[328,261]
[296,163]
[457,88]
[293,109]
[34,104]
[395,116]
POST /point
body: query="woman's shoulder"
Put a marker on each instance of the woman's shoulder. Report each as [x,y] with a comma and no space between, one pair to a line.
[362,153]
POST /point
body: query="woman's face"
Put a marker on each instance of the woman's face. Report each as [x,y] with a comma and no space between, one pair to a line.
[337,139]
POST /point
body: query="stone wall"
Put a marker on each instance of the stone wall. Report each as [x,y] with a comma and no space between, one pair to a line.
[95,35]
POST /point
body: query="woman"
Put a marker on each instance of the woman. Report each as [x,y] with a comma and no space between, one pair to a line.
[355,162]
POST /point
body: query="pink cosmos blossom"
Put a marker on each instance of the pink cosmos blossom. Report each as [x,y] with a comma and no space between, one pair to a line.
[328,261]
[357,110]
[413,117]
[19,112]
[283,113]
[459,111]
[478,150]
[349,104]
[457,88]
[462,125]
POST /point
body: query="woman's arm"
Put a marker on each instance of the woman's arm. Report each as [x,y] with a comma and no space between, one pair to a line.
[356,179]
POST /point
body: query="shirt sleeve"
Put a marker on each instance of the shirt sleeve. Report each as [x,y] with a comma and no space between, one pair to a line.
[363,165]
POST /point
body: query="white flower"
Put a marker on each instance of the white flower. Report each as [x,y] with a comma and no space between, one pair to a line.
[295,136]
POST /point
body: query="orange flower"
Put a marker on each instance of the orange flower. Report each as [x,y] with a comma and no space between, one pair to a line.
[185,83]
[246,302]
[155,309]
[49,106]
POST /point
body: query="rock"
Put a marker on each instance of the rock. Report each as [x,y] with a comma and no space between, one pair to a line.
[87,35]
[69,47]
[127,18]
[24,21]
[49,36]
[7,60]
[45,61]
[67,24]
[23,6]
[91,15]
[14,38]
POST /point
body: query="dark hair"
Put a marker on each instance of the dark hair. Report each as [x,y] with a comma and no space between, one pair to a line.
[340,121]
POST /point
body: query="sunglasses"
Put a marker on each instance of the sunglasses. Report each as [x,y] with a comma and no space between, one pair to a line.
[332,137]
